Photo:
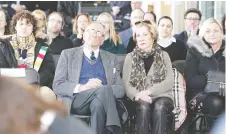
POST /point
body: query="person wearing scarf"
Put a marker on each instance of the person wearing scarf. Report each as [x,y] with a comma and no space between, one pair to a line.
[23,50]
[148,80]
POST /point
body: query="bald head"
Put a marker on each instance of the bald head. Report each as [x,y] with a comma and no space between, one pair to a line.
[94,35]
[136,15]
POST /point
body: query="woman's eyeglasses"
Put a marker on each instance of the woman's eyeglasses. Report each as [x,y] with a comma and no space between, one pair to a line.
[144,21]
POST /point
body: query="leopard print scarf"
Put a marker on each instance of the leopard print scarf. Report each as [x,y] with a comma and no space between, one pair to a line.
[138,74]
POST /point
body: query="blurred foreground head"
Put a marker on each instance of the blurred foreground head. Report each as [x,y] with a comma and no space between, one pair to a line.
[21,107]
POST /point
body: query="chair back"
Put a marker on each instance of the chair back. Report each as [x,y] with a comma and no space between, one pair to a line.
[56,58]
[179,65]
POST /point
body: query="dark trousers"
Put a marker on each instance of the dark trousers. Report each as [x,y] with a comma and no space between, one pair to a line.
[154,114]
[100,104]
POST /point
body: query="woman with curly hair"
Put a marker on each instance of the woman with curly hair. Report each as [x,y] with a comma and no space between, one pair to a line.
[23,50]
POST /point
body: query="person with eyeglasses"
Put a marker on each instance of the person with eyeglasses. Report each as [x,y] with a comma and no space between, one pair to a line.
[148,80]
[40,16]
[88,81]
[192,18]
[58,43]
[126,36]
[174,47]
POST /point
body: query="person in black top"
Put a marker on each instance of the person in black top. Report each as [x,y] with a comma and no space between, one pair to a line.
[174,47]
[206,53]
[57,42]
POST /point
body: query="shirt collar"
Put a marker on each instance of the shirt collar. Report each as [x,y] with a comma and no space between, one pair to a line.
[166,43]
[88,52]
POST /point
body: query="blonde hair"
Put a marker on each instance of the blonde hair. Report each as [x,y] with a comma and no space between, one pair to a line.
[152,28]
[42,13]
[113,35]
[206,23]
[75,26]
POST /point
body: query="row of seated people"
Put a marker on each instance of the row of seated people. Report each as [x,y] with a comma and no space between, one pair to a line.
[76,71]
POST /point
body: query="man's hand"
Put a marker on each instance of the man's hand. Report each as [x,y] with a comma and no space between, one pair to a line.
[92,83]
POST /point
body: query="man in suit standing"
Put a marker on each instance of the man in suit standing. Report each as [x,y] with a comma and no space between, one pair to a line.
[192,19]
[88,81]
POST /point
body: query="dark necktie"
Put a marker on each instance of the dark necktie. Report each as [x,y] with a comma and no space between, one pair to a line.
[92,57]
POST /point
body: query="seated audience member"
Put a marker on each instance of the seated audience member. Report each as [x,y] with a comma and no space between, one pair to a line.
[88,81]
[24,51]
[150,16]
[148,80]
[57,42]
[192,19]
[206,54]
[112,42]
[27,113]
[174,47]
[4,24]
[81,21]
[40,16]
[125,36]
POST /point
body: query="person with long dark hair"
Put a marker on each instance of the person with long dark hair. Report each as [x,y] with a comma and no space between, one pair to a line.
[4,23]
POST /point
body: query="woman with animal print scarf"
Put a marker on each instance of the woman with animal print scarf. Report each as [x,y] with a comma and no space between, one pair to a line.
[148,80]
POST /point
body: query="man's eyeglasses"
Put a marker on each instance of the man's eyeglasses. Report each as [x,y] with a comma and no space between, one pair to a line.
[195,19]
[144,21]
[98,33]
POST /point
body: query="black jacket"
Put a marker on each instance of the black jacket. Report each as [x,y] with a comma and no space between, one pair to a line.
[46,71]
[201,59]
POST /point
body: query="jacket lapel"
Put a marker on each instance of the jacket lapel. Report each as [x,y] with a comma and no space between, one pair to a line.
[77,64]
[108,64]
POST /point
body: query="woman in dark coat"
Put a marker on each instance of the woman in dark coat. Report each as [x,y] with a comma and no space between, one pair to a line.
[23,50]
[206,53]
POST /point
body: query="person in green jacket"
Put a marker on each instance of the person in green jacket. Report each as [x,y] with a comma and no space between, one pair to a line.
[112,42]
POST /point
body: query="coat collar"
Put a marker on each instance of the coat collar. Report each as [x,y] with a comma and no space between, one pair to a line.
[202,47]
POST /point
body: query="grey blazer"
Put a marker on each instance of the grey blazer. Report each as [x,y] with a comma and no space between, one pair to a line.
[68,72]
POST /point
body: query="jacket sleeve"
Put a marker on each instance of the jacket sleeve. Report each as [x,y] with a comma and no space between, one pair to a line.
[191,74]
[47,70]
[7,55]
[167,84]
[118,87]
[61,85]
[127,68]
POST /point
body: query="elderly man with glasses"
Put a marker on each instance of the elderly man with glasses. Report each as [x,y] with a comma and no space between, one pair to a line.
[88,81]
[192,19]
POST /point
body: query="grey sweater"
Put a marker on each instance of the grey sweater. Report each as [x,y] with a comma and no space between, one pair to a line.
[163,89]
